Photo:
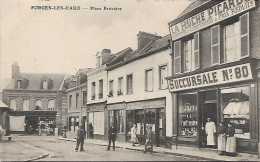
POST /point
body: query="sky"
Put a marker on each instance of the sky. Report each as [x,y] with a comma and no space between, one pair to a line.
[62,41]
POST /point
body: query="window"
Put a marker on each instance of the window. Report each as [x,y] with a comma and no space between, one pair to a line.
[26,105]
[51,104]
[188,54]
[149,80]
[77,99]
[215,45]
[162,75]
[120,86]
[235,108]
[38,104]
[129,84]
[13,104]
[232,42]
[45,85]
[117,117]
[93,88]
[84,98]
[19,84]
[111,88]
[100,88]
[70,101]
[73,124]
[136,117]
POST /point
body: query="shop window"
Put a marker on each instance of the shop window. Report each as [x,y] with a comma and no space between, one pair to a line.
[117,117]
[150,119]
[188,121]
[129,84]
[120,86]
[100,88]
[149,80]
[136,117]
[70,101]
[13,104]
[73,124]
[26,105]
[235,108]
[51,104]
[162,75]
[45,85]
[38,104]
[93,88]
[84,98]
[111,88]
[98,123]
[77,100]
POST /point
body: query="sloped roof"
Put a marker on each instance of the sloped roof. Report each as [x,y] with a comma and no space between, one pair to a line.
[158,44]
[35,81]
[192,6]
[120,55]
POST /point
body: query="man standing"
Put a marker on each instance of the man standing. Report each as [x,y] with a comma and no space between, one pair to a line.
[80,139]
[111,137]
[149,140]
[210,129]
[1,130]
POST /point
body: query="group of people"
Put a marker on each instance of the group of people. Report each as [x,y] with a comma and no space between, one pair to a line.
[225,137]
[112,138]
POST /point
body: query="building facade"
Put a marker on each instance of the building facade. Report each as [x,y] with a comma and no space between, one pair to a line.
[216,73]
[37,101]
[137,89]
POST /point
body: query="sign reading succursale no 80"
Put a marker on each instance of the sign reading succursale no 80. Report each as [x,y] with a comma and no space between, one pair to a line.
[221,76]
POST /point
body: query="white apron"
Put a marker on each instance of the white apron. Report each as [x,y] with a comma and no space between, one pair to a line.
[210,129]
[221,142]
[231,144]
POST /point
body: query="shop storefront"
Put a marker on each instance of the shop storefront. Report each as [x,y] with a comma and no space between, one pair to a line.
[96,117]
[145,114]
[225,95]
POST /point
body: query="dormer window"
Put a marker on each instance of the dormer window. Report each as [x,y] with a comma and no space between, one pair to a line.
[45,85]
[19,84]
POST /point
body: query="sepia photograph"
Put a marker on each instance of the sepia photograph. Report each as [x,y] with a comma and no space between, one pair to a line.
[129,80]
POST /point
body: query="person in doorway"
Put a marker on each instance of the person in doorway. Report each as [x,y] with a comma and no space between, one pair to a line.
[203,137]
[231,141]
[80,139]
[133,135]
[1,132]
[111,137]
[90,130]
[222,138]
[210,129]
[149,140]
[30,129]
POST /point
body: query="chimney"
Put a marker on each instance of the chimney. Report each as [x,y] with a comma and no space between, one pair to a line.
[15,70]
[106,51]
[143,38]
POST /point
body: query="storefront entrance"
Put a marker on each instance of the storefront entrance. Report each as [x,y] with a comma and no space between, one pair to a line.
[209,110]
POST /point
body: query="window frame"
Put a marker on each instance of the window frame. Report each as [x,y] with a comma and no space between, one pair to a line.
[217,44]
[145,79]
[101,88]
[111,88]
[160,76]
[93,90]
[51,109]
[43,87]
[13,99]
[28,104]
[120,86]
[77,100]
[187,39]
[132,88]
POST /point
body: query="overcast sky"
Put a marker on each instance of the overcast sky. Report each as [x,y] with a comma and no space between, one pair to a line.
[60,41]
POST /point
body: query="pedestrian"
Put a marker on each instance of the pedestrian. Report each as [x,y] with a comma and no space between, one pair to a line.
[39,130]
[1,132]
[222,138]
[30,129]
[133,135]
[203,137]
[48,129]
[111,137]
[231,141]
[80,139]
[90,130]
[210,129]
[149,141]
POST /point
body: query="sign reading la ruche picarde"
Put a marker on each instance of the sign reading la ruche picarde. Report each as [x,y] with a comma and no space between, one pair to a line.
[212,15]
[221,76]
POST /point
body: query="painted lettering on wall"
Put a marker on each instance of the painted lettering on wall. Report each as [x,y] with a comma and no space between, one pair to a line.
[212,15]
[227,75]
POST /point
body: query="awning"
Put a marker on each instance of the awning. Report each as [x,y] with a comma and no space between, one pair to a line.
[237,108]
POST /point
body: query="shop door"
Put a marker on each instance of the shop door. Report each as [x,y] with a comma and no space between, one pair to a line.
[160,127]
[31,124]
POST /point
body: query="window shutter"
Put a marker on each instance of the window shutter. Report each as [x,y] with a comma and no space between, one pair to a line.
[215,45]
[196,50]
[244,25]
[177,57]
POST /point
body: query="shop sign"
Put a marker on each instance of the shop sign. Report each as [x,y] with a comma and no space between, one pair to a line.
[212,15]
[221,76]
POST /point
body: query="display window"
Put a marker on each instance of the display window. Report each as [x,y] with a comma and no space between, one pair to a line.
[235,108]
[188,120]
[150,119]
[117,117]
[73,124]
[136,117]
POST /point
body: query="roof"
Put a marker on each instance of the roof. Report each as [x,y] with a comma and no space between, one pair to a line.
[35,81]
[2,104]
[120,55]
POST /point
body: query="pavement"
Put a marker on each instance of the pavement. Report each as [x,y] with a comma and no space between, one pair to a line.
[198,153]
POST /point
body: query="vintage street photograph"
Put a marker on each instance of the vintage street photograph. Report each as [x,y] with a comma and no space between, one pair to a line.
[129,80]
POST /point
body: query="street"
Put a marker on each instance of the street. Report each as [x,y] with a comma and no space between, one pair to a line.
[60,150]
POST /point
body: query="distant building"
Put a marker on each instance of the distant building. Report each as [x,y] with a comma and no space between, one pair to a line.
[36,101]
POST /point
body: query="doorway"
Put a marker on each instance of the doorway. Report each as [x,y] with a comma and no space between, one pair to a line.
[209,110]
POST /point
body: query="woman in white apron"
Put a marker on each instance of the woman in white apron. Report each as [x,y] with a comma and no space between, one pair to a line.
[222,139]
[133,135]
[231,141]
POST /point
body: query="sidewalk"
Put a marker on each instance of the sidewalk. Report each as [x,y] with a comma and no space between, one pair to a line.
[17,151]
[205,154]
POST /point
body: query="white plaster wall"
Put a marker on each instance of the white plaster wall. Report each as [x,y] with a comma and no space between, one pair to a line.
[137,69]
